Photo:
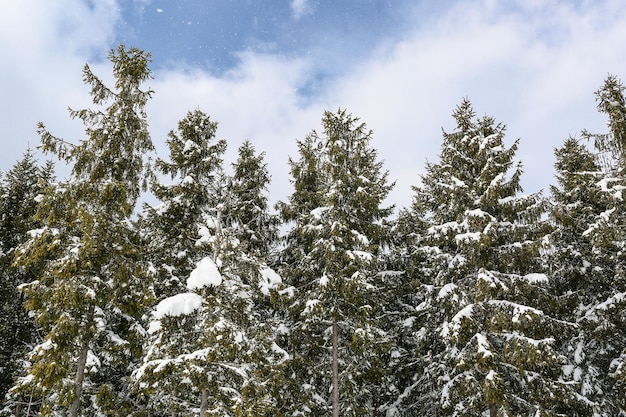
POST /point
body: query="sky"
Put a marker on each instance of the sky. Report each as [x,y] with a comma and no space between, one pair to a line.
[267,70]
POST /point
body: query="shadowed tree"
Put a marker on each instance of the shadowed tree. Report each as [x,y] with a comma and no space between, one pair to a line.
[20,189]
[89,297]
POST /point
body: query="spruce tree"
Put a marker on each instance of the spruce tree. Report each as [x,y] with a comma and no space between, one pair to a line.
[579,267]
[295,267]
[336,306]
[601,350]
[610,101]
[20,188]
[171,228]
[177,239]
[247,217]
[485,345]
[249,213]
[90,295]
[211,349]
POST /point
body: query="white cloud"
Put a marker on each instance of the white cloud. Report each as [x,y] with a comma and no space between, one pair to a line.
[300,8]
[532,66]
[535,70]
[44,46]
[258,101]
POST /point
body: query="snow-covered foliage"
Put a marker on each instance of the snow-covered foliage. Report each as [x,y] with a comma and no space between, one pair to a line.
[90,292]
[584,254]
[337,211]
[482,343]
[20,190]
[477,300]
[204,275]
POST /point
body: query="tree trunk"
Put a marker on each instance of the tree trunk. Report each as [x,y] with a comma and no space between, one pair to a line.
[335,371]
[18,407]
[80,367]
[204,402]
[217,243]
[493,410]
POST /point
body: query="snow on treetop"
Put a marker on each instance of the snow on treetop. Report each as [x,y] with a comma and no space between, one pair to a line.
[457,182]
[361,255]
[446,290]
[519,312]
[497,179]
[483,345]
[606,184]
[443,229]
[478,213]
[467,237]
[269,280]
[318,213]
[490,279]
[491,375]
[205,274]
[610,303]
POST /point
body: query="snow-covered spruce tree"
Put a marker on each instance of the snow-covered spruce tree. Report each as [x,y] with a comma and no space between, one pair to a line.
[306,178]
[611,101]
[171,229]
[19,190]
[485,345]
[177,239]
[255,227]
[337,288]
[255,230]
[601,349]
[295,267]
[577,201]
[90,295]
[209,343]
[407,389]
[581,266]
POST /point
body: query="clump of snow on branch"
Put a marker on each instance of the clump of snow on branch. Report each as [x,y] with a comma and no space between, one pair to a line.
[453,327]
[176,305]
[270,280]
[206,274]
[535,278]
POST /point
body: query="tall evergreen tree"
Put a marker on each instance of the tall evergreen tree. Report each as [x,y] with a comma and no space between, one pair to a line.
[306,176]
[336,311]
[178,238]
[257,230]
[580,266]
[90,295]
[172,228]
[210,344]
[601,349]
[20,189]
[611,101]
[484,344]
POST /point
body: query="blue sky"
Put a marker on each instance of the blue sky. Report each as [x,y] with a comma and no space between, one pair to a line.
[210,33]
[266,71]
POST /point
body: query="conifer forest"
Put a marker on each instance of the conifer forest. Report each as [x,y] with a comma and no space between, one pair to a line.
[207,299]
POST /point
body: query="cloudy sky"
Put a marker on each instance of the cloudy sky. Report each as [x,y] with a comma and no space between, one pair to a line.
[266,71]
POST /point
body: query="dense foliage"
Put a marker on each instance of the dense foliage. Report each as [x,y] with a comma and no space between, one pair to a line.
[477,300]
